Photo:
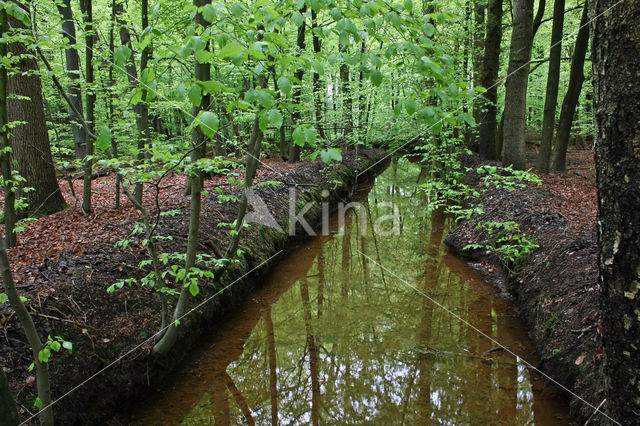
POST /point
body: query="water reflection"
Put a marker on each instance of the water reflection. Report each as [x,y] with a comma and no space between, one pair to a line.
[333,339]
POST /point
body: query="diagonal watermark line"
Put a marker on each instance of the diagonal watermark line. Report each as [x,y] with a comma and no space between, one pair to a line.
[499,82]
[485,335]
[120,358]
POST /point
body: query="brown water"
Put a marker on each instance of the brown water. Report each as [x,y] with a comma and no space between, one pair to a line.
[333,337]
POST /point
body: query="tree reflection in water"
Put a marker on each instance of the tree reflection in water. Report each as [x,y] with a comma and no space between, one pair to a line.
[333,339]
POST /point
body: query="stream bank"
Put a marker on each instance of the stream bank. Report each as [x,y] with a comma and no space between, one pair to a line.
[556,290]
[67,295]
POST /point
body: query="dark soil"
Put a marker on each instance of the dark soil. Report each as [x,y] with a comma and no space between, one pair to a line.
[556,288]
[67,260]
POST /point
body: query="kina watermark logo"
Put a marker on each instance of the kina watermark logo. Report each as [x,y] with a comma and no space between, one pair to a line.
[386,223]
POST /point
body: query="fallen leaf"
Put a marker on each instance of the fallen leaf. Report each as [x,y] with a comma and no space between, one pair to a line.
[580,360]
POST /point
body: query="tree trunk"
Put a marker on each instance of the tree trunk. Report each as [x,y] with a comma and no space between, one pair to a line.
[5,144]
[91,103]
[7,403]
[30,141]
[489,79]
[616,61]
[553,80]
[347,102]
[516,90]
[294,150]
[73,71]
[570,102]
[479,12]
[317,84]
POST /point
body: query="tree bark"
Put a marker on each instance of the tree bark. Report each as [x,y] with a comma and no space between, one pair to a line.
[553,80]
[5,144]
[73,71]
[516,89]
[317,84]
[489,78]
[7,403]
[91,103]
[30,141]
[616,60]
[570,102]
[479,17]
[294,150]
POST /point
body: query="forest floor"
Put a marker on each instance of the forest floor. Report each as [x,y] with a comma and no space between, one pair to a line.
[65,261]
[556,290]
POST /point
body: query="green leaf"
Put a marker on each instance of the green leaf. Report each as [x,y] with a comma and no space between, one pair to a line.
[428,29]
[285,86]
[44,355]
[68,346]
[120,56]
[203,56]
[410,106]
[236,10]
[37,403]
[426,113]
[297,19]
[136,97]
[209,13]
[195,95]
[3,298]
[209,123]
[104,138]
[230,50]
[56,346]
[331,154]
[376,77]
[193,288]
[275,118]
[17,12]
[336,14]
[260,96]
[298,136]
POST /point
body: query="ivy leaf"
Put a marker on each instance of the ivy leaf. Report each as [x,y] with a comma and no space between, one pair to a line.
[284,84]
[209,123]
[104,138]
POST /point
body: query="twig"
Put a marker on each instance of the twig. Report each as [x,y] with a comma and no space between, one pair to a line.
[594,413]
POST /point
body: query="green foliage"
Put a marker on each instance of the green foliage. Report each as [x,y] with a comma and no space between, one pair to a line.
[506,240]
[54,344]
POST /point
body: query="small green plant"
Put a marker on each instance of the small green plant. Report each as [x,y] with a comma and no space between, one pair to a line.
[507,177]
[506,240]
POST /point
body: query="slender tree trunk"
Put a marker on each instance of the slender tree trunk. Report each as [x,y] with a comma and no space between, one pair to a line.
[30,141]
[317,83]
[111,81]
[516,90]
[73,71]
[490,68]
[42,368]
[347,101]
[91,103]
[570,102]
[294,150]
[615,53]
[537,21]
[5,144]
[142,120]
[202,72]
[553,80]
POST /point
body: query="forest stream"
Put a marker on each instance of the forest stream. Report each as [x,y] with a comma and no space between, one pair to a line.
[344,331]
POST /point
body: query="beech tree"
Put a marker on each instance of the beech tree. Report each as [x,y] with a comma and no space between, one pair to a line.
[30,145]
[515,102]
[616,61]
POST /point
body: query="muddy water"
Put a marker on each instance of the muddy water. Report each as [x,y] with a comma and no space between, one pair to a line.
[337,335]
